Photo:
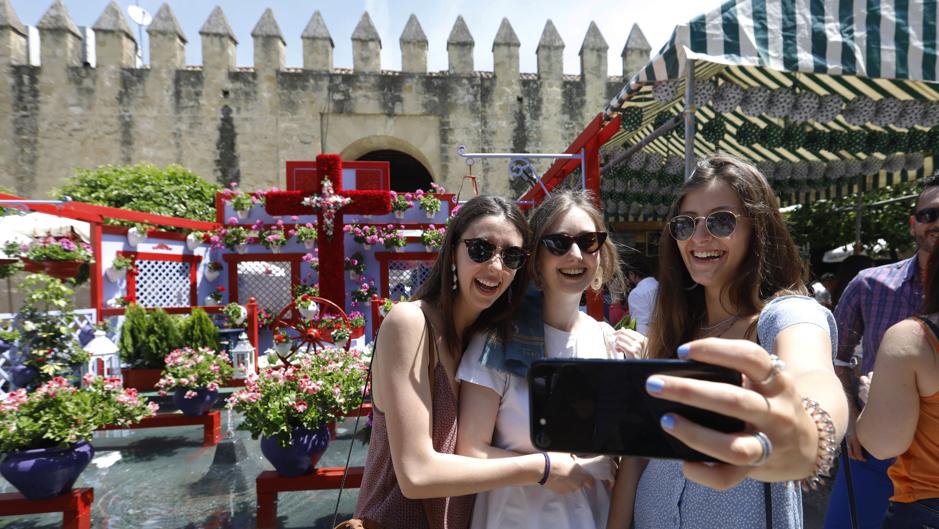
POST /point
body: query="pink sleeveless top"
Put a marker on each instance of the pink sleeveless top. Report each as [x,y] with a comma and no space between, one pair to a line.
[380,498]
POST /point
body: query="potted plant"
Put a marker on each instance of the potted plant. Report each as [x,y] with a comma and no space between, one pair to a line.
[235,314]
[340,334]
[45,433]
[364,235]
[145,339]
[385,307]
[401,203]
[428,203]
[241,203]
[432,238]
[119,267]
[215,296]
[356,324]
[307,235]
[364,292]
[307,306]
[282,343]
[289,406]
[393,239]
[199,330]
[46,345]
[137,233]
[234,238]
[61,258]
[265,318]
[355,265]
[213,270]
[274,237]
[194,375]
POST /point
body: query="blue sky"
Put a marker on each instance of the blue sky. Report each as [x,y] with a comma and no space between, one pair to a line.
[614,18]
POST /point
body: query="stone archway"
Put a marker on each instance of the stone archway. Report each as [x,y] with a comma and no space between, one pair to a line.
[409,167]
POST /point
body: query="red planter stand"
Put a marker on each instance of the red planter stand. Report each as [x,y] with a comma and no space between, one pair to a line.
[269,484]
[141,379]
[211,424]
[58,269]
[75,506]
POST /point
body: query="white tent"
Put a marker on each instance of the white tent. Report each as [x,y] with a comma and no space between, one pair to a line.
[41,225]
[843,252]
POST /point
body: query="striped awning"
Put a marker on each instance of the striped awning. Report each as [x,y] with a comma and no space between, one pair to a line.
[888,39]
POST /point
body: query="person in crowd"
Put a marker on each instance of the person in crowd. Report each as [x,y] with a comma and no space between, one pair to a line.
[847,270]
[821,290]
[572,254]
[872,302]
[730,293]
[412,477]
[642,297]
[901,417]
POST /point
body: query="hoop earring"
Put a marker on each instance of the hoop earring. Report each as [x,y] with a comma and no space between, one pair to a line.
[456,281]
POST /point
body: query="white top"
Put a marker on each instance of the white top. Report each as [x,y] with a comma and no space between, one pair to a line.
[533,505]
[641,302]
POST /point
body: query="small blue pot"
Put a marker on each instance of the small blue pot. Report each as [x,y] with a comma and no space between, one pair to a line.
[22,376]
[196,406]
[306,448]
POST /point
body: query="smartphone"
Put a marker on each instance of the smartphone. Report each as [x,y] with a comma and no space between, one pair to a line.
[602,407]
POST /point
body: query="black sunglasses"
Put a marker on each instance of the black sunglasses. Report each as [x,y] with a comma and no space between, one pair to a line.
[719,224]
[560,243]
[927,215]
[481,251]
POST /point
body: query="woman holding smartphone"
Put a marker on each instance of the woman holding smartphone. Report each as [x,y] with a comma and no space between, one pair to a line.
[730,293]
[572,253]
[412,478]
[901,416]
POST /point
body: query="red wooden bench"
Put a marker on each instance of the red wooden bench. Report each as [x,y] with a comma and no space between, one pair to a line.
[211,424]
[75,506]
[269,484]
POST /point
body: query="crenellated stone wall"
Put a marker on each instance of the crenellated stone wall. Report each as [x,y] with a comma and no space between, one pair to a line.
[238,124]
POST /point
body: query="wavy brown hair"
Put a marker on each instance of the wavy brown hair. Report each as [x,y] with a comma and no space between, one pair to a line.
[438,287]
[771,266]
[547,214]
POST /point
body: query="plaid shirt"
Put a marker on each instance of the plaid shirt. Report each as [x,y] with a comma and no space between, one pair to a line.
[872,302]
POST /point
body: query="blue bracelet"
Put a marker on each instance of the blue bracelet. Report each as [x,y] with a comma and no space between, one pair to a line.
[547,469]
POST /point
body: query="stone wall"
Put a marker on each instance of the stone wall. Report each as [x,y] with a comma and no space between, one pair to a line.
[240,124]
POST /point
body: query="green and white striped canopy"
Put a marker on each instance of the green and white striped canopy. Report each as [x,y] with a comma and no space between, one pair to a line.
[889,39]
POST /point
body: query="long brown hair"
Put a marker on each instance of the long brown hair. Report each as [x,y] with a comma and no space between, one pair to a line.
[549,211]
[931,294]
[770,267]
[438,287]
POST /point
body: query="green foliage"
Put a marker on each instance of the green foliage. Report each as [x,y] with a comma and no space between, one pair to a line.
[147,337]
[301,394]
[173,190]
[43,325]
[826,224]
[59,414]
[198,330]
[190,368]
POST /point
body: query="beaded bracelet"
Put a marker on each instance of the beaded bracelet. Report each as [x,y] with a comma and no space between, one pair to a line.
[827,446]
[547,468]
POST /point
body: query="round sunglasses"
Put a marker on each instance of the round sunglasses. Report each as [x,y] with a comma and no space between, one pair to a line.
[927,215]
[720,224]
[561,243]
[481,251]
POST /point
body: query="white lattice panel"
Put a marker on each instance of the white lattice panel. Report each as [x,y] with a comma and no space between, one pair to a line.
[268,282]
[162,283]
[404,276]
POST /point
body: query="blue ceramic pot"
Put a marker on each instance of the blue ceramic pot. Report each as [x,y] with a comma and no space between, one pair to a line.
[5,346]
[22,376]
[196,406]
[305,450]
[43,473]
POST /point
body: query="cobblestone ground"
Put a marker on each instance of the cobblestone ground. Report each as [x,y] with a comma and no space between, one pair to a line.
[164,479]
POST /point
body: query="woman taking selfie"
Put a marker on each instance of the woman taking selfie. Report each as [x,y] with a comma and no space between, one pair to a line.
[572,253]
[901,416]
[730,294]
[412,479]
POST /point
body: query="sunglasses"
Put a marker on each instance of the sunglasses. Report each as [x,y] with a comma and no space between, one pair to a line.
[560,243]
[927,215]
[481,251]
[719,224]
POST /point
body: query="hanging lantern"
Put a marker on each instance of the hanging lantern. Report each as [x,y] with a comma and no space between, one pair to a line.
[806,106]
[859,111]
[913,161]
[631,118]
[704,92]
[665,91]
[872,165]
[243,357]
[888,112]
[727,97]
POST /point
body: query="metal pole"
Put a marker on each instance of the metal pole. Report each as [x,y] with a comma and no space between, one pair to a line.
[858,211]
[665,128]
[689,118]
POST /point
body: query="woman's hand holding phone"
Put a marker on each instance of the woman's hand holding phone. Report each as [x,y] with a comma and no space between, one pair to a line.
[567,474]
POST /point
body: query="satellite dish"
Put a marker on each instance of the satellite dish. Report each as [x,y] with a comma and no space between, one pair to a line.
[139,15]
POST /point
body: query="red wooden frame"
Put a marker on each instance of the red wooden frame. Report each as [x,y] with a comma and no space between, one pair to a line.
[193,261]
[75,506]
[211,424]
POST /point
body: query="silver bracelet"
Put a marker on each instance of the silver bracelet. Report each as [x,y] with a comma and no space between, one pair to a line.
[827,446]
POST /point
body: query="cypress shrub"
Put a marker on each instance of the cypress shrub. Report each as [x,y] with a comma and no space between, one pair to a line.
[163,336]
[133,336]
[198,330]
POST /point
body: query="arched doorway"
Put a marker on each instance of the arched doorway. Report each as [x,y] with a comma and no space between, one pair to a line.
[407,173]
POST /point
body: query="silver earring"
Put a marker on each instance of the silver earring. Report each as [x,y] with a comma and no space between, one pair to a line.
[456,281]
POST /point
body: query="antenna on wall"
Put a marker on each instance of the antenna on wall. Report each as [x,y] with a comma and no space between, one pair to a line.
[142,18]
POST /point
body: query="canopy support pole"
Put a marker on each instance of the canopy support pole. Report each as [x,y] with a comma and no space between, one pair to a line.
[689,118]
[858,212]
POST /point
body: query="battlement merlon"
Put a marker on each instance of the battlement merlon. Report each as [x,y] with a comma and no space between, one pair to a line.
[317,45]
[505,53]
[269,44]
[13,43]
[61,38]
[219,45]
[167,41]
[366,46]
[114,43]
[413,43]
[460,45]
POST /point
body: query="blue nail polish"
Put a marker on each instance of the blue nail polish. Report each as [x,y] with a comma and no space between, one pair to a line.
[667,422]
[683,350]
[654,385]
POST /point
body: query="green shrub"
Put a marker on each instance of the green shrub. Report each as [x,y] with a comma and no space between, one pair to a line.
[147,337]
[198,330]
[133,335]
[173,190]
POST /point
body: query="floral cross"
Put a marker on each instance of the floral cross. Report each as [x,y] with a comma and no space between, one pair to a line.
[328,202]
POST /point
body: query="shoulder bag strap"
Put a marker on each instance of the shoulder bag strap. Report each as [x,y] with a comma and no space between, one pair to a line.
[932,331]
[768,503]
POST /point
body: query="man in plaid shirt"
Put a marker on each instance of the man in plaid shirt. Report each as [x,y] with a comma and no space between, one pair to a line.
[872,302]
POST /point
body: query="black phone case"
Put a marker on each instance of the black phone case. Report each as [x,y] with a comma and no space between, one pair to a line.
[602,407]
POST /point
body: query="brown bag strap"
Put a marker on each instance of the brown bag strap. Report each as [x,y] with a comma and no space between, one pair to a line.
[932,331]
